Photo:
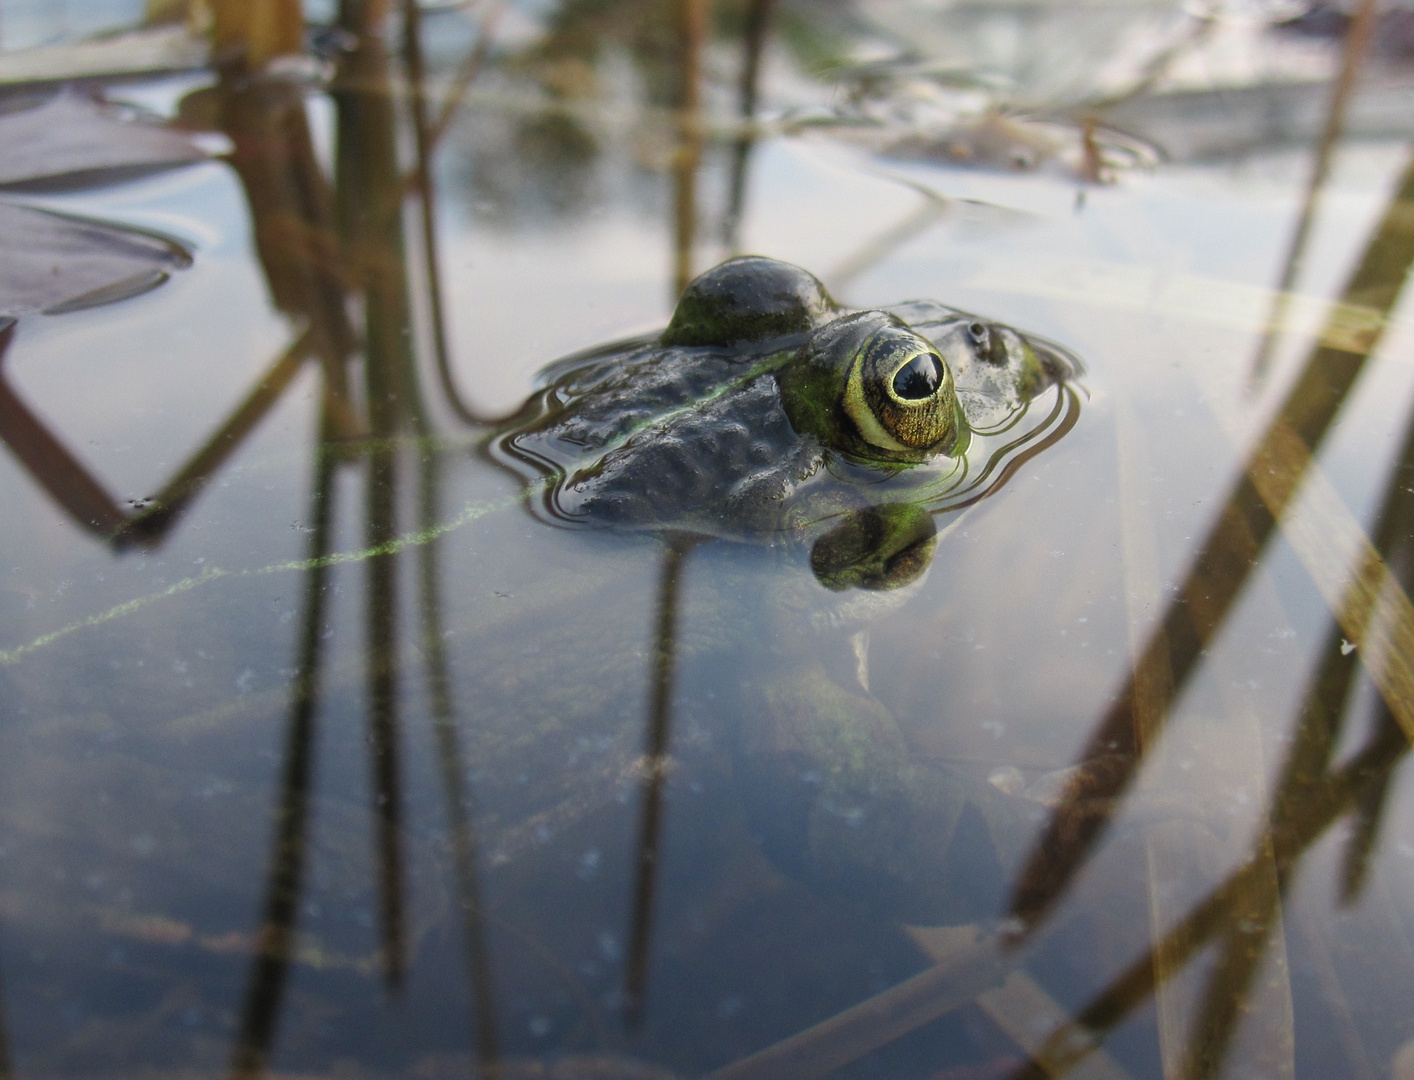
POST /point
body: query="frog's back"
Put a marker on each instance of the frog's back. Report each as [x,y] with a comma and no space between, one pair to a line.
[684,430]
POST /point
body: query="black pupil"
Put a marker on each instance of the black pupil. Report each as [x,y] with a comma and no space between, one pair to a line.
[919,378]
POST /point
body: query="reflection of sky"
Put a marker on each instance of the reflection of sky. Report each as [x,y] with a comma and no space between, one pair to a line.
[1022,629]
[25,23]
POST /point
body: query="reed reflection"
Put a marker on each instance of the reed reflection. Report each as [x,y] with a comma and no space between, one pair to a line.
[692,31]
[1325,712]
[275,942]
[692,16]
[1225,560]
[656,765]
[273,157]
[291,207]
[460,804]
[84,498]
[1229,909]
[45,457]
[755,29]
[370,215]
[322,245]
[347,240]
[1357,41]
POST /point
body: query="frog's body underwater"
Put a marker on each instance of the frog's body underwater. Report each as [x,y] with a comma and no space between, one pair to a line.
[767,415]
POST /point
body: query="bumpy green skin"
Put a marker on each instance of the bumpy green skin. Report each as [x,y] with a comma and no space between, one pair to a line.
[753,418]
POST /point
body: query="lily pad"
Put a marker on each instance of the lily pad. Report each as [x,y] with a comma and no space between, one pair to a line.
[71,141]
[54,263]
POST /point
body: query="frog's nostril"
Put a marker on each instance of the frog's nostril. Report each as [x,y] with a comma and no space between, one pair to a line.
[919,378]
[977,330]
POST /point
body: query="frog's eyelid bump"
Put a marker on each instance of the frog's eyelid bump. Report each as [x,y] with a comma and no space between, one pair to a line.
[748,298]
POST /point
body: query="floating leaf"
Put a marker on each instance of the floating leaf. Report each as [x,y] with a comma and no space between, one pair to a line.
[73,141]
[54,263]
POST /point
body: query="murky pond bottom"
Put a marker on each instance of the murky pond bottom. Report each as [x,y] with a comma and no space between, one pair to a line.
[323,754]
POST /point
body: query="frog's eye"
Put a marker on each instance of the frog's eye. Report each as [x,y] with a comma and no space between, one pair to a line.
[900,393]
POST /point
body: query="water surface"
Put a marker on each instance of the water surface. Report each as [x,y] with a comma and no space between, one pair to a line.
[322,755]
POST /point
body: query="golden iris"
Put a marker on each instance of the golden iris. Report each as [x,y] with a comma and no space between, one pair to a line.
[900,393]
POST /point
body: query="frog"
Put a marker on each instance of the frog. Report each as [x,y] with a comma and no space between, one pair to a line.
[823,452]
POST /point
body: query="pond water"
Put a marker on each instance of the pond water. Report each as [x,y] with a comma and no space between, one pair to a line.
[329,750]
